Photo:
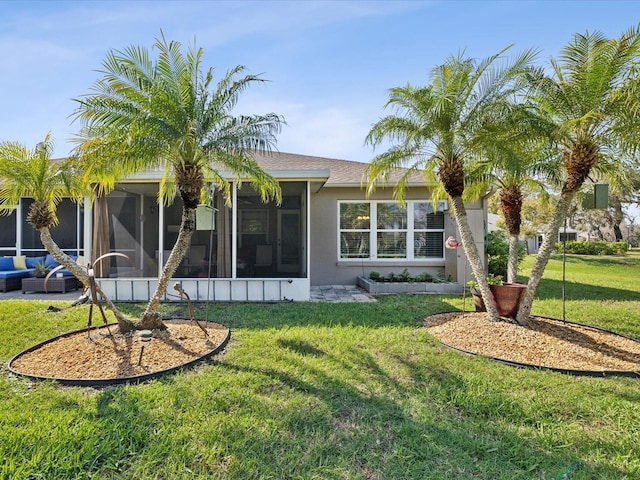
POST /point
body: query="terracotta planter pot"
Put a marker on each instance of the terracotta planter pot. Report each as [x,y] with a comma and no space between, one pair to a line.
[507,298]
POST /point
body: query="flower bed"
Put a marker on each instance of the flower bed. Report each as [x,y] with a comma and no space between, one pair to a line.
[385,287]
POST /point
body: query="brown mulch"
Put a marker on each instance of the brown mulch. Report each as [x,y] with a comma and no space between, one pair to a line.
[542,342]
[108,354]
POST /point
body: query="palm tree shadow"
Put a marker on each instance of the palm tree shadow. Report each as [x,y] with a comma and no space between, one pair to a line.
[352,403]
[568,333]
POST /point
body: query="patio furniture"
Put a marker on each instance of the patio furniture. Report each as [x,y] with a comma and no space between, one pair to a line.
[54,284]
[10,276]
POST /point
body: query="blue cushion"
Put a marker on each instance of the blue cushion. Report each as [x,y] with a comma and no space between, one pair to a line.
[50,262]
[15,273]
[6,263]
[31,261]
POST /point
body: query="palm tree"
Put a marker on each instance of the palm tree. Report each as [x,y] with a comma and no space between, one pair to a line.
[445,127]
[520,164]
[143,114]
[592,98]
[32,173]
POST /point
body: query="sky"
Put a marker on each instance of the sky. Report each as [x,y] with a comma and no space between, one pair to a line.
[330,64]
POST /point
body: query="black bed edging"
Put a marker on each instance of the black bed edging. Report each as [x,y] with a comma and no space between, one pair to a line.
[582,373]
[104,382]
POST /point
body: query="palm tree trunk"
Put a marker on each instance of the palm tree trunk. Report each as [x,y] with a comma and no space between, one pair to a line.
[512,266]
[511,206]
[542,258]
[473,256]
[81,274]
[150,318]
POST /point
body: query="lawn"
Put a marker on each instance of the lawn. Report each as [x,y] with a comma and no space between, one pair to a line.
[336,391]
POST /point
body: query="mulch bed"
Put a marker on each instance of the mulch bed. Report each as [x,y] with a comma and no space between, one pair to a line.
[544,342]
[107,354]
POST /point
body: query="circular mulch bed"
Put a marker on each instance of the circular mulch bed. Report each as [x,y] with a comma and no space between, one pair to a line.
[106,356]
[543,342]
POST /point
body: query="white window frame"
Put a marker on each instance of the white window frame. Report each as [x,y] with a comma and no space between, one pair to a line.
[354,230]
[373,234]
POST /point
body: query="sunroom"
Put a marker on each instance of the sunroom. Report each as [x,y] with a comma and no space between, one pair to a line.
[253,251]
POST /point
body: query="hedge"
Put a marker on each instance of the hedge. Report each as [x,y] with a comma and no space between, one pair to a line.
[593,248]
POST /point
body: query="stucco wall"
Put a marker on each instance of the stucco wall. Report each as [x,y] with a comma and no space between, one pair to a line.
[457,264]
[326,269]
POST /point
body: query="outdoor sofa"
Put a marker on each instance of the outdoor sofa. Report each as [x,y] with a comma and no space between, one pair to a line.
[14,269]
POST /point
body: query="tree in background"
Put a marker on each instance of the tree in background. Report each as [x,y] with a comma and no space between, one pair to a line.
[168,113]
[608,223]
[536,214]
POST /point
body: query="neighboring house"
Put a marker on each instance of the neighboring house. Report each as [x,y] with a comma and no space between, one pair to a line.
[569,234]
[325,232]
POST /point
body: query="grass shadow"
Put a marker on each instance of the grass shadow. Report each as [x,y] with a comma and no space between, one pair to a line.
[377,430]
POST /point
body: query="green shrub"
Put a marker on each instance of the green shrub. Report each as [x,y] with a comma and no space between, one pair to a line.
[424,277]
[498,253]
[404,276]
[592,248]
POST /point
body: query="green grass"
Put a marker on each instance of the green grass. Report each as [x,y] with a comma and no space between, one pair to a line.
[335,391]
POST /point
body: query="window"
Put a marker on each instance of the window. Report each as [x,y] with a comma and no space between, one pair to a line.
[355,229]
[8,234]
[68,234]
[414,233]
[392,231]
[428,231]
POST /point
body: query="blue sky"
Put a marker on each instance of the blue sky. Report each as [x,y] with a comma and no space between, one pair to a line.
[330,64]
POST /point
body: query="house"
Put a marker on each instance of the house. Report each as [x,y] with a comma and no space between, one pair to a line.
[568,234]
[325,232]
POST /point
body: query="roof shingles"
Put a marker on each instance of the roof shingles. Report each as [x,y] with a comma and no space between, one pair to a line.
[341,172]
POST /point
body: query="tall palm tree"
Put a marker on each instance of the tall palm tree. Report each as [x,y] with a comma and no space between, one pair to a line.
[444,127]
[146,113]
[592,98]
[32,173]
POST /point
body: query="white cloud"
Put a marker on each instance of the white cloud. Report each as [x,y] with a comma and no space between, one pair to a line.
[317,128]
